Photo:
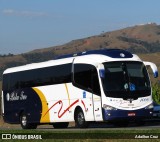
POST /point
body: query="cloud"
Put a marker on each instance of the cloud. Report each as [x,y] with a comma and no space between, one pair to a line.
[12,12]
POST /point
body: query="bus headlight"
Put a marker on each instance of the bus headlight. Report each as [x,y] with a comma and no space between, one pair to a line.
[150,106]
[107,107]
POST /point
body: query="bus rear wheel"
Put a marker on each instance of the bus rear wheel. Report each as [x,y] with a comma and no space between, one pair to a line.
[80,121]
[24,122]
[60,125]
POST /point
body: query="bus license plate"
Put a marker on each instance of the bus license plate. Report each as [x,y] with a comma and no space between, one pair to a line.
[131,114]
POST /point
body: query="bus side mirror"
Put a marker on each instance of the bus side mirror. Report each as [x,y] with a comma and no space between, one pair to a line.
[153,67]
[102,73]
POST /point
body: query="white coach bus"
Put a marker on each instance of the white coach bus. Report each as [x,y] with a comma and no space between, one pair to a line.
[109,85]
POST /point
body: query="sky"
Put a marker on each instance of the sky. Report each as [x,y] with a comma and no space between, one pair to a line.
[26,25]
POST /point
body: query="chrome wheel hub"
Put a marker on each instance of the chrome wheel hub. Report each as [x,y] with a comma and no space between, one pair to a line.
[24,120]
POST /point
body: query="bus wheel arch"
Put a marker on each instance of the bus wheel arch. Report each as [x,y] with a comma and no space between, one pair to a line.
[21,112]
[79,118]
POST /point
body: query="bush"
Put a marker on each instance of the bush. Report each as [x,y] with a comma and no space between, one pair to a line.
[156,93]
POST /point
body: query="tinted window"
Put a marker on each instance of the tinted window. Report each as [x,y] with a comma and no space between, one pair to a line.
[128,79]
[121,75]
[38,77]
[5,82]
[86,77]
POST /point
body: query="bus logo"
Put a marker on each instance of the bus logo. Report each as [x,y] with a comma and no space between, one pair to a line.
[130,100]
[16,97]
[122,55]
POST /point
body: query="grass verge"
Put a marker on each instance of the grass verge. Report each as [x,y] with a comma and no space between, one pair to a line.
[84,135]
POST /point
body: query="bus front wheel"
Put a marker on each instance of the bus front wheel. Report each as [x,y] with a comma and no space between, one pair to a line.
[80,119]
[24,122]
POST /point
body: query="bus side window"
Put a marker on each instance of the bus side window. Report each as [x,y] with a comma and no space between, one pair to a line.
[95,83]
[86,78]
[5,85]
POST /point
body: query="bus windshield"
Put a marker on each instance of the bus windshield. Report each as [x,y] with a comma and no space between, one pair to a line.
[126,79]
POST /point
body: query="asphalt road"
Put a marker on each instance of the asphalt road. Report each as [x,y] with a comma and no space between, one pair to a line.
[151,124]
[104,126]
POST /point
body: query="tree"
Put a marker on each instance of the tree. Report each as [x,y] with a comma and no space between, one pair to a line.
[156,93]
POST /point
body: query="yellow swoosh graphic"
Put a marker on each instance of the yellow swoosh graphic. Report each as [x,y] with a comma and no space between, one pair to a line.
[44,118]
[67,93]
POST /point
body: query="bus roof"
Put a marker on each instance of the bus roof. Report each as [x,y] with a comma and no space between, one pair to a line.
[100,56]
[113,53]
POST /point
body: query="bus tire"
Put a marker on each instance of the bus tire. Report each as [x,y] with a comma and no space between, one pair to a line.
[24,122]
[80,121]
[60,125]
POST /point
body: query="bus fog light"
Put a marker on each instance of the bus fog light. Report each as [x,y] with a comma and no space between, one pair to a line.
[107,107]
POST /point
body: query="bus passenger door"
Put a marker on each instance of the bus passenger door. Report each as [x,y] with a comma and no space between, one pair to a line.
[85,77]
[97,109]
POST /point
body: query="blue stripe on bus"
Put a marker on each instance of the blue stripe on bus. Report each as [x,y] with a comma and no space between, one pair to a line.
[113,53]
[111,115]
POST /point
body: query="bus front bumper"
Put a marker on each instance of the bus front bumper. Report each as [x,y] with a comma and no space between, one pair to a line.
[118,115]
